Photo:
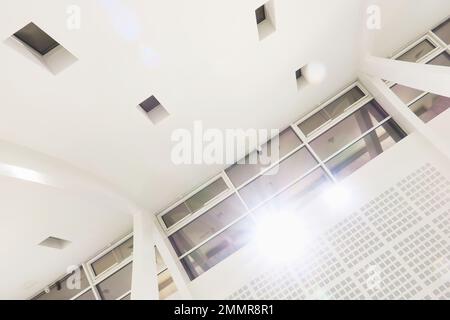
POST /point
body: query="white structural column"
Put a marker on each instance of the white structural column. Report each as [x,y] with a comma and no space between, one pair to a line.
[144,285]
[424,77]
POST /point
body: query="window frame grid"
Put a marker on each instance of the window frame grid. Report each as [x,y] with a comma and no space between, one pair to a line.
[102,254]
[305,143]
[330,123]
[190,217]
[422,61]
[436,37]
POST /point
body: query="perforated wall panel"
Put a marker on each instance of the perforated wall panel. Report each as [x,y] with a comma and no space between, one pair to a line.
[396,246]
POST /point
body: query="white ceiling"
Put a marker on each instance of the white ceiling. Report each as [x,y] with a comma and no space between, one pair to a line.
[202,60]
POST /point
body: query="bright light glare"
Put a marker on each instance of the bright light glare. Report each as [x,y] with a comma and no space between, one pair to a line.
[281,237]
[337,196]
[22,173]
[315,72]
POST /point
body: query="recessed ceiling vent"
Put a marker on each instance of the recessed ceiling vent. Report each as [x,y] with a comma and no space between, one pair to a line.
[301,81]
[154,110]
[265,19]
[55,243]
[38,46]
[35,38]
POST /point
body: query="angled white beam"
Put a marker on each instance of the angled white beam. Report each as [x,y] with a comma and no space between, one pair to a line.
[402,114]
[144,284]
[424,77]
[25,164]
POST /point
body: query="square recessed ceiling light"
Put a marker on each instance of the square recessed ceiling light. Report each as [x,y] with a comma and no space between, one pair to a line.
[153,108]
[36,38]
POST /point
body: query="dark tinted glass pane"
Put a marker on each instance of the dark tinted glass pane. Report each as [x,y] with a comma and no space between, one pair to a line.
[365,149]
[35,38]
[218,248]
[348,129]
[88,295]
[429,106]
[406,94]
[113,257]
[443,31]
[417,52]
[207,224]
[254,163]
[331,111]
[117,284]
[277,178]
[441,60]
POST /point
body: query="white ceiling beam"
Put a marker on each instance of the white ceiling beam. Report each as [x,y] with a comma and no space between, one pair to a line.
[424,77]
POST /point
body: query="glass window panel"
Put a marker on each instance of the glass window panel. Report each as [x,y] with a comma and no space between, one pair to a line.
[127,297]
[207,224]
[117,284]
[113,257]
[88,295]
[443,31]
[441,60]
[277,178]
[297,196]
[348,129]
[218,248]
[195,203]
[417,52]
[331,111]
[406,94]
[166,285]
[62,289]
[365,149]
[430,106]
[254,163]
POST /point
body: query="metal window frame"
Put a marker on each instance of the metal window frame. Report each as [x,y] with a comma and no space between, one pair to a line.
[188,218]
[353,107]
[436,37]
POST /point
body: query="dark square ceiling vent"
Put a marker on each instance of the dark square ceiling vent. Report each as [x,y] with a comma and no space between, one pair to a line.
[36,38]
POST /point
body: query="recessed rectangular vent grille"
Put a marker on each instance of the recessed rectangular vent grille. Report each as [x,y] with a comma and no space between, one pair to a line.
[55,243]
